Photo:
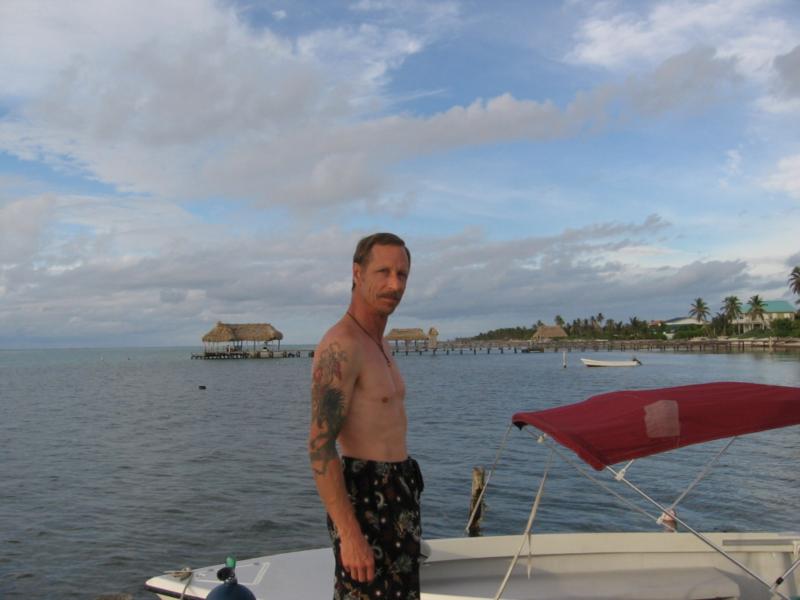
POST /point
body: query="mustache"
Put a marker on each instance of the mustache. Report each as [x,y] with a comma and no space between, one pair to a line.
[392,295]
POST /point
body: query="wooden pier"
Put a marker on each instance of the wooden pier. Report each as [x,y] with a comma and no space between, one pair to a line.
[255,354]
[461,347]
[709,345]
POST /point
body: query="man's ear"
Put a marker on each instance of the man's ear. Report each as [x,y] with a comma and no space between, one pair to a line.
[356,273]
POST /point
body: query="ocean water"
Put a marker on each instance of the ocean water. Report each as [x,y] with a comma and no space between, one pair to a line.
[115,466]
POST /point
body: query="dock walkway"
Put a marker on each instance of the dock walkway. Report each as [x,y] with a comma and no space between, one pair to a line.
[256,354]
[710,345]
[569,345]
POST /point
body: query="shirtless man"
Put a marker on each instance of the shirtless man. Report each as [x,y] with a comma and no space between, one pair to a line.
[372,492]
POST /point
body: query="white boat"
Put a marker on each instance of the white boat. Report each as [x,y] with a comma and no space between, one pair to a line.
[589,362]
[603,431]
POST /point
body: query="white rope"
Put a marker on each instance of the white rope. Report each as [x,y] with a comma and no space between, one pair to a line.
[526,534]
[488,479]
[184,573]
[535,509]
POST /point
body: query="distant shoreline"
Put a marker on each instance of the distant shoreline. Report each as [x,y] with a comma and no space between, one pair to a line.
[693,344]
[690,345]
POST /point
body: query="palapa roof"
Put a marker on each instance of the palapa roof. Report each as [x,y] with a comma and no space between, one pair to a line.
[546,332]
[242,332]
[433,331]
[406,335]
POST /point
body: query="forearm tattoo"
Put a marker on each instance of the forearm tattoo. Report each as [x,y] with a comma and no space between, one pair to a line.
[327,407]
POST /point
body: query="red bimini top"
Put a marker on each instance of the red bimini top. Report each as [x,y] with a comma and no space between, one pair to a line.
[619,426]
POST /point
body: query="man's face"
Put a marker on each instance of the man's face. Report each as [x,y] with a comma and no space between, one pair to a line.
[381,282]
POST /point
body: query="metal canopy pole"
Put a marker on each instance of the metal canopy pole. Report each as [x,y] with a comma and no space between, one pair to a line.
[703,473]
[783,577]
[556,449]
[699,535]
[620,476]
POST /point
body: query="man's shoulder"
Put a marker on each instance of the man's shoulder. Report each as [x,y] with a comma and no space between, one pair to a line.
[340,338]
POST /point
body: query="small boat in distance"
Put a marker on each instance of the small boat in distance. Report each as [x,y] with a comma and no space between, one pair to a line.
[633,362]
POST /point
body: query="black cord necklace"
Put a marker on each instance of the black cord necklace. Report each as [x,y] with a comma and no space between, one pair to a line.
[360,326]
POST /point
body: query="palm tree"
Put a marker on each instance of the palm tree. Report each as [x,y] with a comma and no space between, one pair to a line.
[699,309]
[559,320]
[732,308]
[609,327]
[794,281]
[719,323]
[756,311]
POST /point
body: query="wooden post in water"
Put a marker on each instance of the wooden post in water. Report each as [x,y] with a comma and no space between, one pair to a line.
[478,483]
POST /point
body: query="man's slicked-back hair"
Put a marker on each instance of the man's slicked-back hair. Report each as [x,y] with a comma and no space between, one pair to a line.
[364,247]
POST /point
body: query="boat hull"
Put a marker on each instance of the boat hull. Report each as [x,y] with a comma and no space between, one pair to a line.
[610,363]
[575,566]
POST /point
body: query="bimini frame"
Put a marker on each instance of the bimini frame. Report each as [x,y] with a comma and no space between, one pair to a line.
[586,440]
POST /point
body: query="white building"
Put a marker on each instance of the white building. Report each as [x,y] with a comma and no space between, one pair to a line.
[773,309]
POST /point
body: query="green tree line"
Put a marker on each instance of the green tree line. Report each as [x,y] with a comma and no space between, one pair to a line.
[722,323]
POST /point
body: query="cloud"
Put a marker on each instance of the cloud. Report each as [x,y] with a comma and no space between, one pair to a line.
[690,79]
[787,67]
[22,226]
[751,34]
[93,280]
[786,178]
[217,108]
[120,95]
[742,29]
[185,282]
[235,146]
[539,277]
[732,168]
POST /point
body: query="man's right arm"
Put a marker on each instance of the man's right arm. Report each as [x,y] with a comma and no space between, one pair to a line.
[334,377]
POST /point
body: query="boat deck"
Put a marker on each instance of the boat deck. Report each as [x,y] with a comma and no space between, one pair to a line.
[650,584]
[592,566]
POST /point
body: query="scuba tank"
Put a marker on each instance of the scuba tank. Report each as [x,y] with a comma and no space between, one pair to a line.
[229,589]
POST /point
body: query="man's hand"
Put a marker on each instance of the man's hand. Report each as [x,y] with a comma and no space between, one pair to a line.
[358,559]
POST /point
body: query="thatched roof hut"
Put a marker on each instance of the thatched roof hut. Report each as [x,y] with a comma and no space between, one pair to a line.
[242,332]
[414,336]
[548,332]
[406,335]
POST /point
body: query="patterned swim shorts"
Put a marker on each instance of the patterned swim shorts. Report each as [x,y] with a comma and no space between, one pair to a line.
[385,497]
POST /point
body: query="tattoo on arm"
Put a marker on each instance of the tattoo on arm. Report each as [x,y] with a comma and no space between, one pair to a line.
[327,408]
[329,417]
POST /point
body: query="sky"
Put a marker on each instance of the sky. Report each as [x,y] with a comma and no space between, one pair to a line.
[167,165]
